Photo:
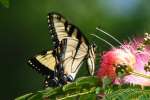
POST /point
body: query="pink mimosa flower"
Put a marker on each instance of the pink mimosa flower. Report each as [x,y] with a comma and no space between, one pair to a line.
[129,55]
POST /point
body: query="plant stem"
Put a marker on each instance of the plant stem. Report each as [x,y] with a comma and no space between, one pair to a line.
[78,94]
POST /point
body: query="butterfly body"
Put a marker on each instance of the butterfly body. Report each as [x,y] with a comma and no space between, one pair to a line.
[70,48]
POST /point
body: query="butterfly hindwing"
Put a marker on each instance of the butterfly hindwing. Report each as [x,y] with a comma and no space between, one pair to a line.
[91,59]
[44,62]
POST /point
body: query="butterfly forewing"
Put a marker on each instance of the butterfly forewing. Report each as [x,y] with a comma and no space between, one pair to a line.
[56,25]
[60,29]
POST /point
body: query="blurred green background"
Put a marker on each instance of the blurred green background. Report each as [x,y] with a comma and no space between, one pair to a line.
[24,32]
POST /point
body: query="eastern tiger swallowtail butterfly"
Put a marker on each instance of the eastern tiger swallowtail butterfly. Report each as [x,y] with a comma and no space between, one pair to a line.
[70,48]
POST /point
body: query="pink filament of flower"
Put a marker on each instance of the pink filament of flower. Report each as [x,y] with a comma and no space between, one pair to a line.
[129,55]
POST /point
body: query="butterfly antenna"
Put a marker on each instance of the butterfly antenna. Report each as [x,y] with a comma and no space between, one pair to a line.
[103,40]
[97,28]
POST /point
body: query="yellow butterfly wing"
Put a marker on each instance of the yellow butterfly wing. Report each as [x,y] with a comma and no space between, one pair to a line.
[44,62]
[73,57]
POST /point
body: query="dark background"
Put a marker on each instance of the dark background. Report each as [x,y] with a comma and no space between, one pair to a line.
[24,32]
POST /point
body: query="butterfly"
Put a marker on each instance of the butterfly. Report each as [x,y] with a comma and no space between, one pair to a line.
[70,49]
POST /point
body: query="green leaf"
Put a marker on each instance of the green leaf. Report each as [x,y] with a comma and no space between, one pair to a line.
[69,86]
[88,97]
[90,80]
[82,86]
[144,97]
[87,88]
[37,96]
[5,3]
[24,96]
[106,82]
[130,93]
[77,95]
[97,90]
[50,92]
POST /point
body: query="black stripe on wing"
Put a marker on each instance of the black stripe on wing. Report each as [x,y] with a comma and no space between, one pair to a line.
[35,64]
